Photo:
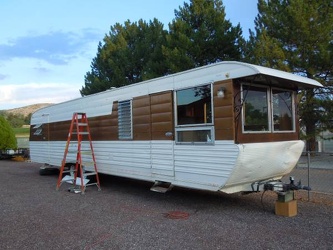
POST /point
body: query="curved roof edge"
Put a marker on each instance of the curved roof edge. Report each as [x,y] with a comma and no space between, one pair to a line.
[244,69]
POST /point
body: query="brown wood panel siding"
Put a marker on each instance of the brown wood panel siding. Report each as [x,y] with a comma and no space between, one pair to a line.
[159,108]
[223,111]
[266,137]
[241,137]
[141,118]
[162,119]
[101,128]
[59,130]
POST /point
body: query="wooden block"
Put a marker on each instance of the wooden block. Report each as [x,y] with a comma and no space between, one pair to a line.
[287,209]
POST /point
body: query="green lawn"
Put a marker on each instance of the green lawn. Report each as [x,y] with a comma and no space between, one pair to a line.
[21,131]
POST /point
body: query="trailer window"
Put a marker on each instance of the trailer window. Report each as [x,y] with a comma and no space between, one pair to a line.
[194,121]
[255,110]
[38,129]
[194,106]
[283,118]
[125,119]
[267,110]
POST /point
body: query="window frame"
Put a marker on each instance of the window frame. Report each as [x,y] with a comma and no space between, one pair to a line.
[270,110]
[195,127]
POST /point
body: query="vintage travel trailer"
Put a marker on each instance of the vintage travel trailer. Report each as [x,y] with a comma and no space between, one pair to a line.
[226,127]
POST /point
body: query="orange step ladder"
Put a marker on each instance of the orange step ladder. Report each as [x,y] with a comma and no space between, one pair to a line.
[84,151]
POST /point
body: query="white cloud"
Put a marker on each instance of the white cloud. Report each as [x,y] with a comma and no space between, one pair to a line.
[14,96]
[56,48]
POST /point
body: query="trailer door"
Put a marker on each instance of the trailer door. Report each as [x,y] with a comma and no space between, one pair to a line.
[162,134]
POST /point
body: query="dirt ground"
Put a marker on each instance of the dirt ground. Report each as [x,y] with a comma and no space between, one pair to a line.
[127,215]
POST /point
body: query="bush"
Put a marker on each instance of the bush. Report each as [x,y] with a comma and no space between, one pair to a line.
[7,135]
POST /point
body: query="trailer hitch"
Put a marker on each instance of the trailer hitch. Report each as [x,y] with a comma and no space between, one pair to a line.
[283,187]
[278,186]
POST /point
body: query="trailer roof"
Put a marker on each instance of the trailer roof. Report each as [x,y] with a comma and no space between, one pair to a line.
[245,69]
[210,73]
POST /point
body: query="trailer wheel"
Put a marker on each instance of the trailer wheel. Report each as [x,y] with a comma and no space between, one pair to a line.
[48,171]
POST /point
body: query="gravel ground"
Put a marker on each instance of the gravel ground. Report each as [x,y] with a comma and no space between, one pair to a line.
[127,215]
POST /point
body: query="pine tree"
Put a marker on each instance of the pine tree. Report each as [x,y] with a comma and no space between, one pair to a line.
[130,53]
[200,35]
[297,36]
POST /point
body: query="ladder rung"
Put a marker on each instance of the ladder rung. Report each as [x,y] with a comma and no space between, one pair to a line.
[82,124]
[80,133]
[86,152]
[68,171]
[88,164]
[83,152]
[90,174]
[90,184]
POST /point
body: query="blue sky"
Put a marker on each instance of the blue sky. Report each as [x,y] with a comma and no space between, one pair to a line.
[46,47]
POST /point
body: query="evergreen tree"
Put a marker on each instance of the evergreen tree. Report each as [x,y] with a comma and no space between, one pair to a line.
[7,135]
[130,53]
[297,36]
[200,35]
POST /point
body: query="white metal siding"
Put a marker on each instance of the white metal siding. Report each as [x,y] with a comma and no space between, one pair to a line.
[206,166]
[202,167]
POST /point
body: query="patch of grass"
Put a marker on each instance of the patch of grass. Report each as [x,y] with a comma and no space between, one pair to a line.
[21,131]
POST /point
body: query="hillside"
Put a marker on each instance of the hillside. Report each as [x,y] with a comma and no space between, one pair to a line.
[26,110]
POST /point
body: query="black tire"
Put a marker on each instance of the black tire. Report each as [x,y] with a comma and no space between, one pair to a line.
[48,171]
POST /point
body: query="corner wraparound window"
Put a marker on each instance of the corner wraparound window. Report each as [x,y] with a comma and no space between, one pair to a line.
[194,121]
[125,119]
[267,109]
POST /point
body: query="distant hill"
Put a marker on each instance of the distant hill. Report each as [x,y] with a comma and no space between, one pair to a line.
[26,110]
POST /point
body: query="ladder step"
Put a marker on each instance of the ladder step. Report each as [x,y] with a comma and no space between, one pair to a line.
[89,174]
[88,164]
[90,184]
[83,152]
[70,180]
[68,171]
[80,133]
[86,152]
[82,124]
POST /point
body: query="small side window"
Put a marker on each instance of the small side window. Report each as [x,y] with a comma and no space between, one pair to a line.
[38,129]
[125,119]
[283,113]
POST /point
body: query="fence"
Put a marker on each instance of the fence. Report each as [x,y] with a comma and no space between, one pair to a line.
[316,171]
